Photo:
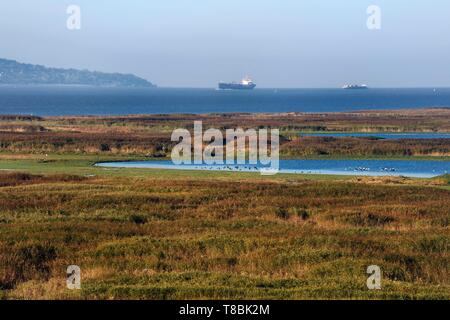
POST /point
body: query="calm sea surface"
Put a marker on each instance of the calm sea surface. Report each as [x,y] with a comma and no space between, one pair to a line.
[419,169]
[53,101]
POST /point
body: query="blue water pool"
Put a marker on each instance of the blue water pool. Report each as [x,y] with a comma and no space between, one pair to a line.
[382,135]
[407,168]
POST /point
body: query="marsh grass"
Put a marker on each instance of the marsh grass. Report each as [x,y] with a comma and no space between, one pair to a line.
[184,238]
[149,135]
[158,234]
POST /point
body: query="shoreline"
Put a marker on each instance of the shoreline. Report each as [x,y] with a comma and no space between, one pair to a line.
[407,111]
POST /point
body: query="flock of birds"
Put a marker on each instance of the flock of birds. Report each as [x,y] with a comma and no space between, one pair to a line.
[254,168]
[229,168]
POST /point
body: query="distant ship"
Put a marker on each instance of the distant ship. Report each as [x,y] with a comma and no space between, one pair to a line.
[355,86]
[245,84]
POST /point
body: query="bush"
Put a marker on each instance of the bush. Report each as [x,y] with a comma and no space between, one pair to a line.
[26,263]
[303,214]
[282,213]
[104,147]
[137,219]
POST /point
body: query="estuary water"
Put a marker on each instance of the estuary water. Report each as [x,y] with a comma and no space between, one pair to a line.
[61,101]
[406,168]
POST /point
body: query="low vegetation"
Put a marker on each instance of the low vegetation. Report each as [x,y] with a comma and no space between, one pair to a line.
[233,237]
[156,234]
[150,135]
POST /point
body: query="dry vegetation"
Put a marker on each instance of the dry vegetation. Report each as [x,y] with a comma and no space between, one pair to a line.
[182,238]
[150,135]
[195,235]
[416,120]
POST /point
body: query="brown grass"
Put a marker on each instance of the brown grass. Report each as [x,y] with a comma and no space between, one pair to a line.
[178,238]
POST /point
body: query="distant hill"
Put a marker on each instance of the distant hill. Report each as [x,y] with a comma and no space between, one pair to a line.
[13,72]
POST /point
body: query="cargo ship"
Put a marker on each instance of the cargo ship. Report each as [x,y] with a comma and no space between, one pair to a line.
[244,84]
[355,86]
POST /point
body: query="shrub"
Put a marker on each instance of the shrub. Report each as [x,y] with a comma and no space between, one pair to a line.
[303,214]
[137,219]
[282,213]
[104,147]
[26,263]
[369,220]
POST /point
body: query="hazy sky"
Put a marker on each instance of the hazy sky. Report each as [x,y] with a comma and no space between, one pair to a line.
[280,43]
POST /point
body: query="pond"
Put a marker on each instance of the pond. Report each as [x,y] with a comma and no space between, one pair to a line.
[382,135]
[407,168]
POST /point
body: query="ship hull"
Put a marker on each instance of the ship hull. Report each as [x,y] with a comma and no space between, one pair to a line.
[236,86]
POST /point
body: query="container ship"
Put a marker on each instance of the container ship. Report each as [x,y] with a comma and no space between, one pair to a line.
[244,84]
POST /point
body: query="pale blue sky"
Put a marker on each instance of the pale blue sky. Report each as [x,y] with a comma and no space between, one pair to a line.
[280,43]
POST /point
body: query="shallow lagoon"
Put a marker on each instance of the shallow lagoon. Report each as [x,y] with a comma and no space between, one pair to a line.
[382,135]
[407,168]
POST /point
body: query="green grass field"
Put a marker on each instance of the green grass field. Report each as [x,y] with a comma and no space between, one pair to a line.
[161,234]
